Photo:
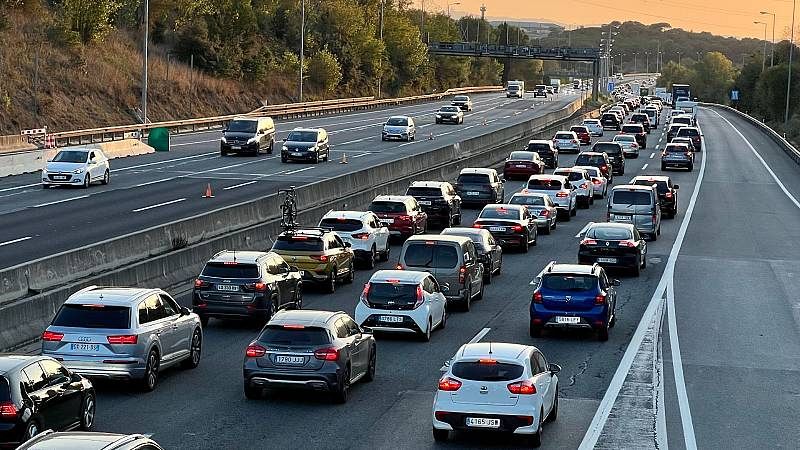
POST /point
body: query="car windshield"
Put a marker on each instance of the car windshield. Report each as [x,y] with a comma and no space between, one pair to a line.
[382,206]
[473,178]
[650,112]
[71,156]
[632,129]
[425,254]
[572,283]
[638,117]
[539,148]
[93,316]
[624,138]
[571,175]
[591,122]
[625,197]
[513,87]
[486,371]
[541,184]
[399,293]
[527,200]
[661,185]
[589,160]
[500,213]
[563,136]
[609,233]
[420,191]
[341,224]
[299,336]
[242,126]
[230,270]
[302,136]
[397,122]
[460,98]
[450,109]
[607,148]
[298,243]
[521,156]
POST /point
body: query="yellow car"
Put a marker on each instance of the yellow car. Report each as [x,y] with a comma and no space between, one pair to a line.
[320,254]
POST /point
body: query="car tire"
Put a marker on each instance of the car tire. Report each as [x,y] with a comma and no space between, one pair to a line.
[637,269]
[331,282]
[457,219]
[271,147]
[534,331]
[546,229]
[373,359]
[252,392]
[443,323]
[342,394]
[535,237]
[602,335]
[525,244]
[481,292]
[31,429]
[441,435]
[150,379]
[351,275]
[554,410]
[88,409]
[223,153]
[664,167]
[298,297]
[373,256]
[426,335]
[106,177]
[203,320]
[87,180]
[466,304]
[385,254]
[283,159]
[574,211]
[535,440]
[195,351]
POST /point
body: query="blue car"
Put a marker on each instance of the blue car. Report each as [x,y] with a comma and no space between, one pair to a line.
[573,296]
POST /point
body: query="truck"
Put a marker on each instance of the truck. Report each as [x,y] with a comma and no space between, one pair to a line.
[556,84]
[681,92]
[661,92]
[636,88]
[515,88]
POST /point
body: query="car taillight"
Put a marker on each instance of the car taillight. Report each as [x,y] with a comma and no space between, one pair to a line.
[562,194]
[320,258]
[588,242]
[198,283]
[525,387]
[668,195]
[327,354]
[600,299]
[574,141]
[604,166]
[52,336]
[420,297]
[462,274]
[8,410]
[635,146]
[544,213]
[361,236]
[404,217]
[255,351]
[130,339]
[448,384]
[260,287]
[365,294]
[399,267]
[627,244]
[596,181]
[537,297]
[477,225]
[584,186]
[517,228]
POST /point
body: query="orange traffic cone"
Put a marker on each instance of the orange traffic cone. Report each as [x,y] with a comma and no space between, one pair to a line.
[208,193]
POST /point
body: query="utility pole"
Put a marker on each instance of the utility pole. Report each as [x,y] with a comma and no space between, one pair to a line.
[144,64]
[302,43]
[772,58]
[380,61]
[764,53]
[789,82]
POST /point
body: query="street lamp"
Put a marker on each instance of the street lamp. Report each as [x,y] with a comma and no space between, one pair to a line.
[647,61]
[144,63]
[764,53]
[772,57]
[789,82]
[679,58]
[448,7]
[635,62]
[380,61]
[302,43]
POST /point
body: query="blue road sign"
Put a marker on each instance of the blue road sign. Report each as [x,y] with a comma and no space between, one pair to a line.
[734,95]
[610,86]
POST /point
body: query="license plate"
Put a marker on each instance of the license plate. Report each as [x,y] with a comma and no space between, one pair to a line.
[59,177]
[283,359]
[391,319]
[607,260]
[520,166]
[425,202]
[501,229]
[473,193]
[622,218]
[482,422]
[387,220]
[85,347]
[227,287]
[297,154]
[573,320]
[236,147]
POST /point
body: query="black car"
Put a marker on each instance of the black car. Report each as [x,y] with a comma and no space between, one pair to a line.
[450,114]
[615,155]
[316,350]
[597,159]
[439,200]
[246,284]
[667,192]
[490,254]
[480,186]
[548,153]
[38,393]
[672,131]
[694,134]
[638,132]
[511,225]
[642,119]
[610,120]
[614,245]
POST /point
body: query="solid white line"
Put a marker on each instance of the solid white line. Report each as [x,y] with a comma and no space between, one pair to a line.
[19,187]
[239,185]
[677,369]
[360,155]
[610,397]
[122,169]
[159,205]
[583,230]
[15,241]
[299,170]
[59,201]
[480,335]
[644,167]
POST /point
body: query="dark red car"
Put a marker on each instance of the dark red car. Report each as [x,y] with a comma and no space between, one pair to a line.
[522,164]
[583,134]
[401,213]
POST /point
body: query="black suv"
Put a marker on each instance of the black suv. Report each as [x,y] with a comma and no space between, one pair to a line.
[37,393]
[480,186]
[247,284]
[667,192]
[316,350]
[610,120]
[615,155]
[643,119]
[548,153]
[439,200]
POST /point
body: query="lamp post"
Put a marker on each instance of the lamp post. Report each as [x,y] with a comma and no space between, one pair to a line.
[764,53]
[380,61]
[144,63]
[448,7]
[647,62]
[679,58]
[302,42]
[789,82]
[635,62]
[772,57]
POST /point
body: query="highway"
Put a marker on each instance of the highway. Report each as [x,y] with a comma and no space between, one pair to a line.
[154,189]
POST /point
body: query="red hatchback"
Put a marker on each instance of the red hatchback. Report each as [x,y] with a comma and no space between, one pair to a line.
[523,164]
[583,134]
[401,213]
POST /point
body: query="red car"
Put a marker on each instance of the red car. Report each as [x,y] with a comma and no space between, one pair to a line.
[401,214]
[523,164]
[583,134]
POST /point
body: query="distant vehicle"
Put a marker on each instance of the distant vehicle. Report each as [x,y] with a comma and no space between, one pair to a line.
[613,245]
[642,119]
[672,131]
[667,192]
[693,133]
[399,127]
[402,214]
[248,135]
[546,151]
[85,440]
[566,140]
[576,84]
[480,186]
[681,91]
[611,120]
[76,167]
[598,179]
[637,205]
[560,191]
[652,114]
[515,88]
[583,134]
[550,90]
[321,255]
[463,102]
[630,148]
[616,156]
[439,200]
[637,131]
[594,126]
[540,207]
[540,91]
[363,230]
[522,164]
[511,225]
[599,159]
[555,83]
[685,140]
[489,252]
[306,144]
[450,114]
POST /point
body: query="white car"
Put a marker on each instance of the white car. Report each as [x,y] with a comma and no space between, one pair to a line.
[594,126]
[399,127]
[76,167]
[619,111]
[628,143]
[560,191]
[364,231]
[566,140]
[404,301]
[580,179]
[600,182]
[495,386]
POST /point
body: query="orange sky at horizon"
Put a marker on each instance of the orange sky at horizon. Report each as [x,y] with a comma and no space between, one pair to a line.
[723,17]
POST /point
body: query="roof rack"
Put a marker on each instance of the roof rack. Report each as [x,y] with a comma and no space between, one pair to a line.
[125,440]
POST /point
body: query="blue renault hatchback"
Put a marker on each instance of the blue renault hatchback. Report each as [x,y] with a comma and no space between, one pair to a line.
[573,296]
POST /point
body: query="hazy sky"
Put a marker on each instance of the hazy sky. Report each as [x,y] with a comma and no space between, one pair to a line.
[725,17]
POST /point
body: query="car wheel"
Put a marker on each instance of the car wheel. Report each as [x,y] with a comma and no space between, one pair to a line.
[106,177]
[370,375]
[343,393]
[385,254]
[195,350]
[637,269]
[525,244]
[252,392]
[270,148]
[203,320]
[443,323]
[298,297]
[535,236]
[351,274]
[554,410]
[316,157]
[457,219]
[602,335]
[331,288]
[546,229]
[535,331]
[283,159]
[426,335]
[87,413]
[574,210]
[691,167]
[327,155]
[535,440]
[480,293]
[591,199]
[663,167]
[150,379]
[441,435]
[487,277]
[467,302]
[31,429]
[223,153]
[373,255]
[87,180]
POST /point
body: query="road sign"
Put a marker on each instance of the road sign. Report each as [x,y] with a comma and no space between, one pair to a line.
[735,95]
[610,86]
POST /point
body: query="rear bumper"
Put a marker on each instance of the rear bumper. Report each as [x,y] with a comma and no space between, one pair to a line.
[517,171]
[677,163]
[595,318]
[123,367]
[627,260]
[509,423]
[317,381]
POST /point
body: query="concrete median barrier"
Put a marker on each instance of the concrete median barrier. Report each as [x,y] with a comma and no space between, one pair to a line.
[170,254]
[28,161]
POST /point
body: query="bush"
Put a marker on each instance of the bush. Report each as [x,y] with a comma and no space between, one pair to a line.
[324,71]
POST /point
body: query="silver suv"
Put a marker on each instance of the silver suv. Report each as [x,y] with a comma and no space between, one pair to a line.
[83,440]
[123,333]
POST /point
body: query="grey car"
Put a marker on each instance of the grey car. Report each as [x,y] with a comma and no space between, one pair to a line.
[123,333]
[489,251]
[637,205]
[84,440]
[540,206]
[314,350]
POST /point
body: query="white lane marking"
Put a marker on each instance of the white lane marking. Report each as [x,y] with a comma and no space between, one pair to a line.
[239,185]
[153,182]
[677,369]
[360,155]
[357,140]
[158,205]
[764,163]
[20,187]
[60,201]
[122,169]
[194,143]
[480,335]
[583,230]
[15,241]
[610,397]
[652,155]
[644,167]
[299,170]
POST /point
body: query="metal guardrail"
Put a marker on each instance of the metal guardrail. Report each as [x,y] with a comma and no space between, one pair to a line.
[517,51]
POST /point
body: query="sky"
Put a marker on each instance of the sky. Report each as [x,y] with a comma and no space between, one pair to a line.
[722,17]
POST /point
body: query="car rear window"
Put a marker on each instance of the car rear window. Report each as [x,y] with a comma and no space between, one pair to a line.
[5,389]
[500,213]
[579,129]
[632,129]
[609,117]
[624,138]
[544,185]
[571,176]
[295,336]
[400,293]
[540,148]
[387,207]
[222,270]
[572,283]
[609,233]
[688,132]
[487,371]
[299,243]
[661,186]
[529,200]
[424,191]
[520,156]
[589,160]
[438,256]
[473,178]
[563,136]
[608,148]
[341,224]
[624,197]
[93,316]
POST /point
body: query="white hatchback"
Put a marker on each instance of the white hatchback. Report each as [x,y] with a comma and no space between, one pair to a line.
[363,230]
[493,386]
[76,167]
[594,126]
[567,140]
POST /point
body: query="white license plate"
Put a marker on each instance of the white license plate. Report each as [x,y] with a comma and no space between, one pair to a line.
[501,229]
[391,319]
[482,422]
[387,220]
[227,287]
[473,193]
[59,177]
[84,347]
[521,166]
[236,147]
[573,320]
[425,202]
[622,218]
[607,260]
[283,359]
[297,154]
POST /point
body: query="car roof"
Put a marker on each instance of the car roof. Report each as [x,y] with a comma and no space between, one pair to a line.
[111,296]
[587,168]
[247,118]
[399,117]
[357,215]
[565,132]
[463,231]
[430,184]
[504,206]
[229,256]
[392,198]
[315,130]
[403,276]
[307,317]
[540,141]
[583,269]
[591,120]
[561,178]
[529,193]
[569,169]
[691,128]
[500,350]
[650,177]
[9,362]
[438,237]
[479,170]
[627,226]
[631,187]
[79,440]
[76,149]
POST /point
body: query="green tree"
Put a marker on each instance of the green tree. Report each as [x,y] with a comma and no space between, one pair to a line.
[746,85]
[91,19]
[675,73]
[714,77]
[324,71]
[406,51]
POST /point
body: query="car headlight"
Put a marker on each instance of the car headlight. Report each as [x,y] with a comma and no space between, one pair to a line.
[252,140]
[438,116]
[78,170]
[223,140]
[285,148]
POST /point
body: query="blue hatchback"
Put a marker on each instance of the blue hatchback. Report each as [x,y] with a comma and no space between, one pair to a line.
[573,296]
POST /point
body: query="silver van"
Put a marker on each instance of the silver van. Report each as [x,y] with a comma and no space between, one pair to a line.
[452,260]
[248,135]
[637,205]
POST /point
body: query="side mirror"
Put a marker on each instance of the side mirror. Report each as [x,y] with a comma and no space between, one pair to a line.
[676,187]
[445,366]
[368,330]
[553,368]
[293,269]
[615,282]
[75,378]
[185,311]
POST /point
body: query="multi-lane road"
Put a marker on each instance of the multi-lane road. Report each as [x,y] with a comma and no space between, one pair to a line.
[705,353]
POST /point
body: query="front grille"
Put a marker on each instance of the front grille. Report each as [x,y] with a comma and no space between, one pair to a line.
[59,177]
